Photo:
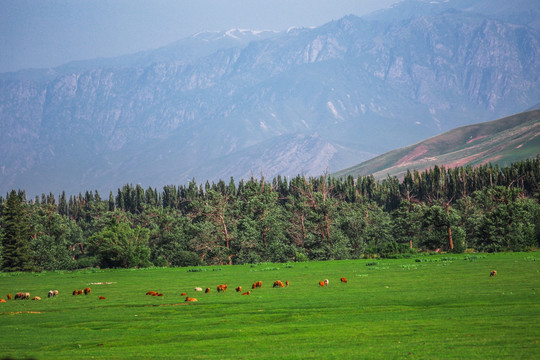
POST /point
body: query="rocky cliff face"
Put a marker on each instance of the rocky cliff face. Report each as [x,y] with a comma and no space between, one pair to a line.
[320,99]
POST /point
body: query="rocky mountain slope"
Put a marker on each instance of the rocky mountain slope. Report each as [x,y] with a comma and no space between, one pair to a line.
[244,103]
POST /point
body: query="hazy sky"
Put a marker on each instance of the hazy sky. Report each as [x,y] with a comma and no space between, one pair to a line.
[47,33]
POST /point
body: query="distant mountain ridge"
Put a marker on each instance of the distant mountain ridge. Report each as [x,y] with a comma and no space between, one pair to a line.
[212,106]
[504,141]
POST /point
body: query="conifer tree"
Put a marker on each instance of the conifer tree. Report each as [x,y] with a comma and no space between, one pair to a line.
[62,204]
[16,240]
[111,202]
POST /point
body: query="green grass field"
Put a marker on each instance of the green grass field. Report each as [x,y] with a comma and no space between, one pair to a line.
[429,307]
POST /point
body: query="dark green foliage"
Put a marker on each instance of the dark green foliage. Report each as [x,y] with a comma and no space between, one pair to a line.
[120,246]
[16,252]
[486,208]
[56,239]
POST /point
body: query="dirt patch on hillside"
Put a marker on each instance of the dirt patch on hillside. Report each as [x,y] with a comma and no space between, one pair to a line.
[464,161]
[491,159]
[417,152]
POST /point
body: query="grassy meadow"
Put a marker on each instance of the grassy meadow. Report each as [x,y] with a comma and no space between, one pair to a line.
[425,307]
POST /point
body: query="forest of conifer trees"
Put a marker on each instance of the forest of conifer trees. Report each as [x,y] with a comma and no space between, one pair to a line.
[485,208]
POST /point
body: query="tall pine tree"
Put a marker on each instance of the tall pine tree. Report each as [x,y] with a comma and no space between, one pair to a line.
[16,241]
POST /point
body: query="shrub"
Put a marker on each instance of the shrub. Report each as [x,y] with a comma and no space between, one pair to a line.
[301,257]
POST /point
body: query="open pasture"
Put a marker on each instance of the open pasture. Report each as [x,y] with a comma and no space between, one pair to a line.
[425,307]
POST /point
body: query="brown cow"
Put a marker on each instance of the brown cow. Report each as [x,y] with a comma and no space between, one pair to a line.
[238,289]
[247,293]
[36,298]
[22,296]
[207,290]
[183,294]
[80,292]
[258,284]
[343,280]
[287,283]
[101,297]
[152,293]
[75,292]
[222,287]
[52,293]
[87,290]
[190,299]
[321,283]
[493,273]
[278,283]
[9,296]
[2,300]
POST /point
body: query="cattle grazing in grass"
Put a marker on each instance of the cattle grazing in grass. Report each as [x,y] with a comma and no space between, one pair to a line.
[52,293]
[287,283]
[258,284]
[222,287]
[493,273]
[80,292]
[22,296]
[238,289]
[87,290]
[152,293]
[325,282]
[9,296]
[183,294]
[198,289]
[278,283]
[102,298]
[207,290]
[191,299]
[36,298]
[343,280]
[159,294]
[2,301]
[247,293]
[321,283]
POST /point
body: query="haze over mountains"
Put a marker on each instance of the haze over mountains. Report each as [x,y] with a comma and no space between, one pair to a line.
[243,103]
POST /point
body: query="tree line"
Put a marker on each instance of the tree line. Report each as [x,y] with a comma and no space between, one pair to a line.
[485,208]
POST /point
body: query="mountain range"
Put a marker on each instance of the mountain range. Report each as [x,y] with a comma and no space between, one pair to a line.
[245,103]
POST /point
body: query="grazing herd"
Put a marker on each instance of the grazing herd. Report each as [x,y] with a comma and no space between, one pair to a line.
[50,294]
[85,291]
[220,288]
[256,285]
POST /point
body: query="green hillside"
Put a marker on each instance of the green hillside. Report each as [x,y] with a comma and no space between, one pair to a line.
[501,142]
